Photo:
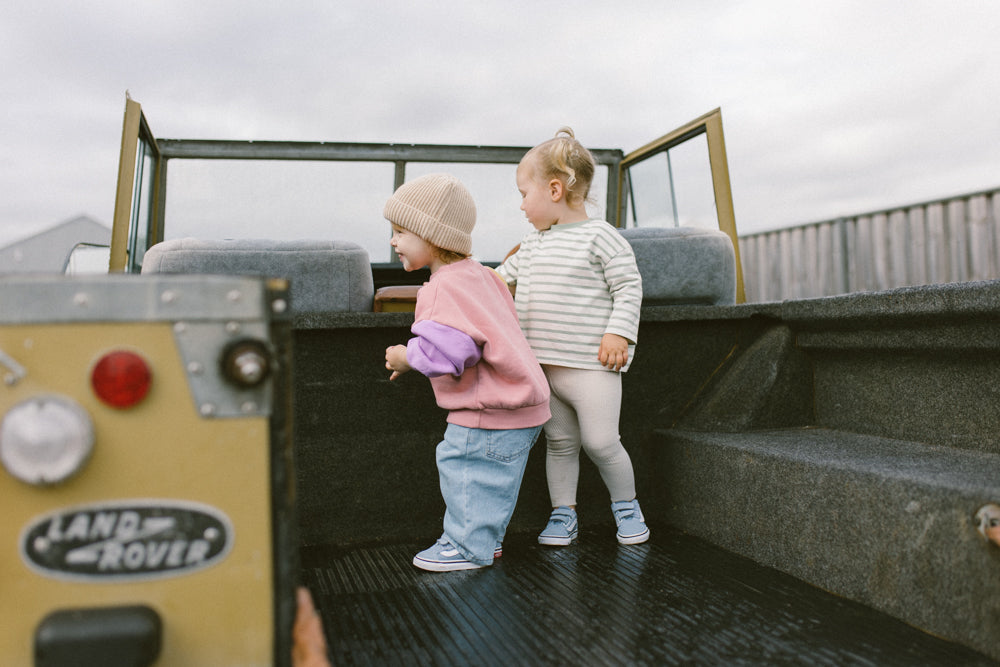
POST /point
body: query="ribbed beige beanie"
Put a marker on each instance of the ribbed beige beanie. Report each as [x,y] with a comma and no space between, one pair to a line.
[437,208]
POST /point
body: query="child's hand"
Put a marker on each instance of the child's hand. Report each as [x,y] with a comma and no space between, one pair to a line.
[614,351]
[395,360]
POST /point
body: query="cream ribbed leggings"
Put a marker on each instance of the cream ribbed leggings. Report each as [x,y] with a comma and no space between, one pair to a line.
[586,405]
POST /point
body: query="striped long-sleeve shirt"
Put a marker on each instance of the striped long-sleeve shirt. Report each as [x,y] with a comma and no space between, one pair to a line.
[575,283]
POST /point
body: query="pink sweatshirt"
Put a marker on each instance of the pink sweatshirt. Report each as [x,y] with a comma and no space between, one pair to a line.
[469,343]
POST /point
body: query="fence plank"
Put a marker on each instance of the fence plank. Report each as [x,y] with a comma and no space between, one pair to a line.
[945,240]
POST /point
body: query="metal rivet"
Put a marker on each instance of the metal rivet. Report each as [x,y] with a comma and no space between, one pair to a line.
[195,368]
[279,305]
[234,295]
[80,299]
[207,409]
[168,296]
[232,327]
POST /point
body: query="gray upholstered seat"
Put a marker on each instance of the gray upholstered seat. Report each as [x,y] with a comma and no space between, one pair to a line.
[684,265]
[326,276]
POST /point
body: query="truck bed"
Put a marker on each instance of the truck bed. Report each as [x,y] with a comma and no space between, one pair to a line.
[675,600]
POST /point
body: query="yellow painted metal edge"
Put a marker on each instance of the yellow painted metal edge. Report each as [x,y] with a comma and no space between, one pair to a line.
[723,191]
[671,138]
[126,181]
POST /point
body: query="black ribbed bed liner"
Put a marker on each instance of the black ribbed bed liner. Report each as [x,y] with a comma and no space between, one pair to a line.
[676,600]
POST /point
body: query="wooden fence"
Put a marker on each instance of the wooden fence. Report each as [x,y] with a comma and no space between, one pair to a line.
[942,241]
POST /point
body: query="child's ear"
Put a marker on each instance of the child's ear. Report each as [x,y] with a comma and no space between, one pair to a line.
[556,190]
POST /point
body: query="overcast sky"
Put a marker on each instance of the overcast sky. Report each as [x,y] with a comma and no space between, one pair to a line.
[829,108]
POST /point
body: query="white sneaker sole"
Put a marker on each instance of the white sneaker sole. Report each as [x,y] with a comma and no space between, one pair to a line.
[633,539]
[444,565]
[557,541]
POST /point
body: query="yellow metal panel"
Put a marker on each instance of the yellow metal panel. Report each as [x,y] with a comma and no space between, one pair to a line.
[161,449]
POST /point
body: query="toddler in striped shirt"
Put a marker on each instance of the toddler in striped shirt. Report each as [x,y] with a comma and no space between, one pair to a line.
[577,294]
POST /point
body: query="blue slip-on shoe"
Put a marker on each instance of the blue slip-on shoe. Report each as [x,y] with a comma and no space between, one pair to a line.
[561,529]
[443,556]
[632,527]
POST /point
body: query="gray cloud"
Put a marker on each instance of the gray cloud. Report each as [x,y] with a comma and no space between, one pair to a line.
[829,108]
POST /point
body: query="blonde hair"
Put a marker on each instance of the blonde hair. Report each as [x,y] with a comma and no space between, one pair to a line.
[449,256]
[565,158]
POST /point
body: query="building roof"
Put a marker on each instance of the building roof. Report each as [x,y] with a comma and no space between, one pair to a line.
[48,251]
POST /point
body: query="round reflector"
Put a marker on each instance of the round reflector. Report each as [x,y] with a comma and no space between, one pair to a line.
[46,439]
[121,379]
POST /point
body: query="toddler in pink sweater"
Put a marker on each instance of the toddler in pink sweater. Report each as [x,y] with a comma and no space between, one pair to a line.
[467,340]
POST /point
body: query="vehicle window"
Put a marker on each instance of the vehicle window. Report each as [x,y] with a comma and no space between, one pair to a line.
[286,200]
[280,200]
[142,203]
[500,223]
[673,188]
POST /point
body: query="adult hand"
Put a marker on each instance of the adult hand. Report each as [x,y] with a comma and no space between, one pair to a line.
[308,642]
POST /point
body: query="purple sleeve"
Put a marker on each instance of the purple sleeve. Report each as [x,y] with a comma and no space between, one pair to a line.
[441,350]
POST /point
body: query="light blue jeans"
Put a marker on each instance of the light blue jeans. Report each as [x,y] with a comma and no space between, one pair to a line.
[480,472]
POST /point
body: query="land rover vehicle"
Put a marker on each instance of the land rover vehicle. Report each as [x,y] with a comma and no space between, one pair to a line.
[783,451]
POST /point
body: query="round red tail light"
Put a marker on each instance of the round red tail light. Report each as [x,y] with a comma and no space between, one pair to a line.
[121,379]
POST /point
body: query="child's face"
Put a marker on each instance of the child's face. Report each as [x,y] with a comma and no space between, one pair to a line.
[413,251]
[537,200]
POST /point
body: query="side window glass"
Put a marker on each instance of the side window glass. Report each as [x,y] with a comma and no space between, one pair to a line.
[672,188]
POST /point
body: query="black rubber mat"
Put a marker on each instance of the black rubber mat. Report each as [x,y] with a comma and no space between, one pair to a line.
[676,600]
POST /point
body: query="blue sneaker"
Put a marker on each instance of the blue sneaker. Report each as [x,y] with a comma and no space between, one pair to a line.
[632,527]
[443,556]
[562,527]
